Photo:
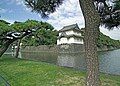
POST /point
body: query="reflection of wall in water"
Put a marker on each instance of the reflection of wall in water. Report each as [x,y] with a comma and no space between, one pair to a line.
[75,60]
[110,62]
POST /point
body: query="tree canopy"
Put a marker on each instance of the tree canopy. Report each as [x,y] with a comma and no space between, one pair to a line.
[47,35]
[44,7]
[104,40]
[110,14]
[32,32]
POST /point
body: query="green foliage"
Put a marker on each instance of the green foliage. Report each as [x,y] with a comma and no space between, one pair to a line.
[106,40]
[4,21]
[44,36]
[22,26]
[112,19]
[44,7]
[117,5]
[109,18]
[4,28]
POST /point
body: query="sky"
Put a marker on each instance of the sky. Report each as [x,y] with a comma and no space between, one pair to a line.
[68,13]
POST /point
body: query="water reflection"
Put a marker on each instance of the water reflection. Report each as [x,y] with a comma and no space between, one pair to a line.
[75,60]
[110,62]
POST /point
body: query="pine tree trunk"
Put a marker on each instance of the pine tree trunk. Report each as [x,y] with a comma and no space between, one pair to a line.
[18,48]
[92,22]
[4,47]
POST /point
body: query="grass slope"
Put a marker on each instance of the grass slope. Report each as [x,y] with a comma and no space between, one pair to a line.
[30,73]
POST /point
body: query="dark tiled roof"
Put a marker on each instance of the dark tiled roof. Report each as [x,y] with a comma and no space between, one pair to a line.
[69,27]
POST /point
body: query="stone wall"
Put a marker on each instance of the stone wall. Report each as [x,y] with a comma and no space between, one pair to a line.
[70,48]
[41,48]
[64,48]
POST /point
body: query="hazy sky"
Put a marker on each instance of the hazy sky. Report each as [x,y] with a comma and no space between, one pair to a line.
[68,13]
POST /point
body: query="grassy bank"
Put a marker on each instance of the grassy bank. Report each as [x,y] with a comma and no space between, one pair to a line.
[30,73]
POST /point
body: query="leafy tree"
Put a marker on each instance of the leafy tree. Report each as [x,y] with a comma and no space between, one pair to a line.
[44,7]
[11,33]
[4,22]
[92,23]
[44,36]
[4,28]
[104,40]
[30,32]
[110,17]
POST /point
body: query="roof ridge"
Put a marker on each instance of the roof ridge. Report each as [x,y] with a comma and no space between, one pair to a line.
[68,27]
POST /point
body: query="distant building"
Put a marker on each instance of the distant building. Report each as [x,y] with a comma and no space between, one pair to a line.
[70,35]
